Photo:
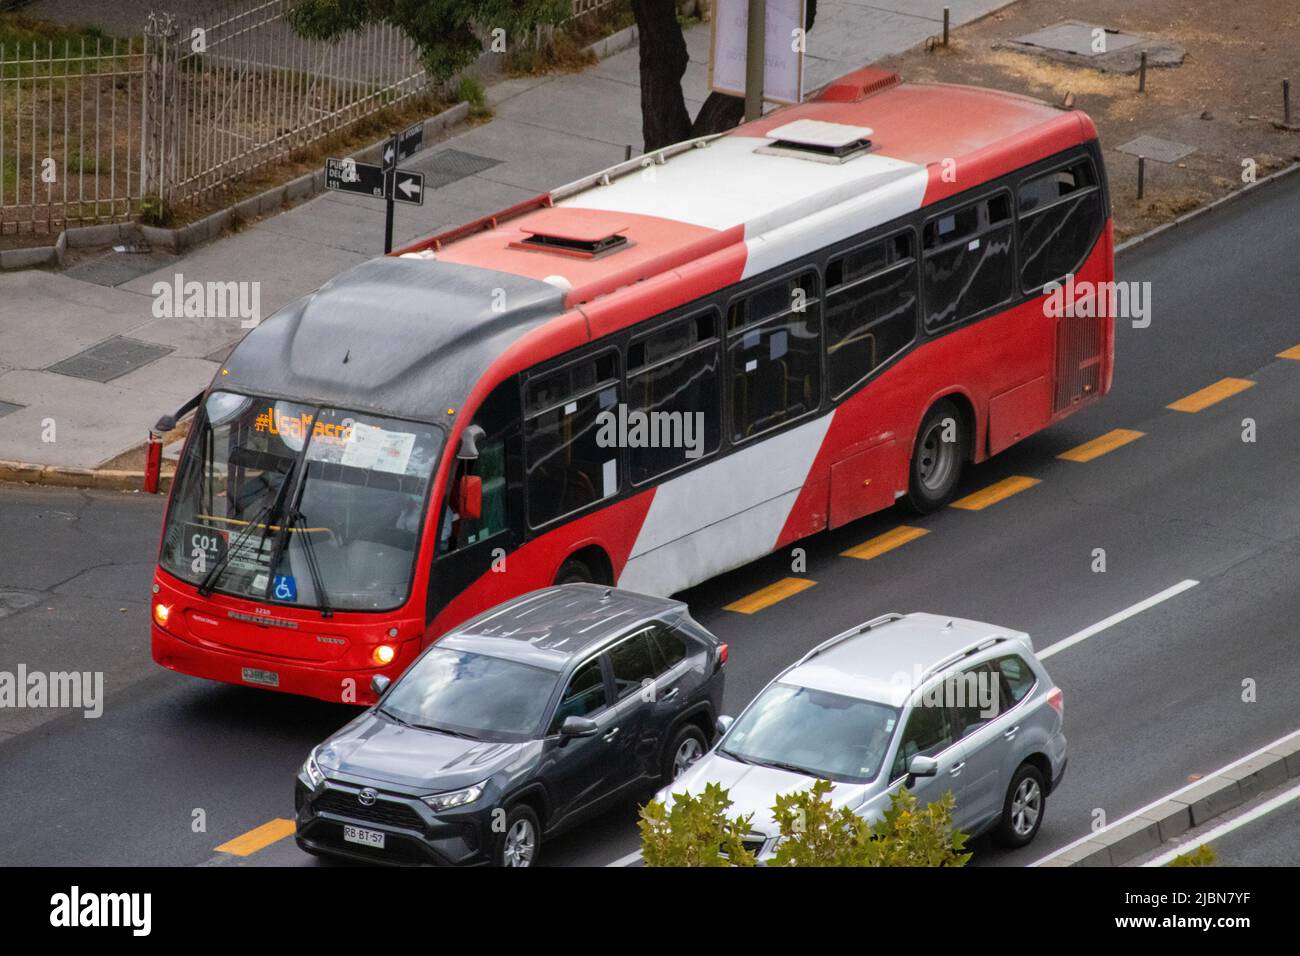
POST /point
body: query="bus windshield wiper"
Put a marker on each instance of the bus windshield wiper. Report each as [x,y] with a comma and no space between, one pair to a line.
[299,482]
[313,566]
[264,518]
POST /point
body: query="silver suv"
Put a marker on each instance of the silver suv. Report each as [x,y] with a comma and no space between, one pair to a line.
[906,700]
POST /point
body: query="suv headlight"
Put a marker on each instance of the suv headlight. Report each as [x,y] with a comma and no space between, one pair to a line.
[311,770]
[455,798]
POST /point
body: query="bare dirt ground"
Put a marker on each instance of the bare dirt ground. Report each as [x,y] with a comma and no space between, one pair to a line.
[1223,99]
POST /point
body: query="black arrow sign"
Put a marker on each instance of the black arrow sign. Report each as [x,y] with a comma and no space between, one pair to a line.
[408,187]
[409,142]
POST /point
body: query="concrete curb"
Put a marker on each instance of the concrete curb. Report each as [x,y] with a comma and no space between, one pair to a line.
[1162,822]
[65,477]
[1202,210]
[210,227]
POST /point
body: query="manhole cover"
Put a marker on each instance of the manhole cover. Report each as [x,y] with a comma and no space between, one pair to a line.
[1099,47]
[110,359]
[12,601]
[1160,150]
[115,268]
[446,167]
[8,408]
[1081,39]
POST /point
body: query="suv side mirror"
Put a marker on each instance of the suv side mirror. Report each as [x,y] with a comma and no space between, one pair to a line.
[379,683]
[469,497]
[921,766]
[723,723]
[578,727]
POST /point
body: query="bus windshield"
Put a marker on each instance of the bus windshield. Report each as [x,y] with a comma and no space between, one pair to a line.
[302,505]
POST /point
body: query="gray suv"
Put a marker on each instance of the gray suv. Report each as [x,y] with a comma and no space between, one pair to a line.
[921,701]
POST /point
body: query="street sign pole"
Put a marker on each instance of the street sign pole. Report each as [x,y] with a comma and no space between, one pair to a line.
[388,213]
[755,54]
[390,167]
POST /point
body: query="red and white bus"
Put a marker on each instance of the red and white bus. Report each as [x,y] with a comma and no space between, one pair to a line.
[847,296]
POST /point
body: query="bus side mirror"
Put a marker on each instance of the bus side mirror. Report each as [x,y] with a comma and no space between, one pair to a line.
[469,498]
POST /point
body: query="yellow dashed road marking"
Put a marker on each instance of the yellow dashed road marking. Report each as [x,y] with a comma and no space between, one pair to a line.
[769,595]
[1291,353]
[1224,388]
[994,493]
[258,838]
[1101,445]
[884,542]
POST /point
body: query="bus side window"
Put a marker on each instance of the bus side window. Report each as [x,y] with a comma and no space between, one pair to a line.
[568,468]
[774,355]
[498,466]
[967,261]
[672,378]
[1060,219]
[870,309]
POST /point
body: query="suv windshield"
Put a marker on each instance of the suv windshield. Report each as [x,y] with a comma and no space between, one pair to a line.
[472,694]
[297,504]
[814,732]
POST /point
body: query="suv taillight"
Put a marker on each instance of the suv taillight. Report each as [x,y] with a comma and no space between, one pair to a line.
[1057,701]
[722,654]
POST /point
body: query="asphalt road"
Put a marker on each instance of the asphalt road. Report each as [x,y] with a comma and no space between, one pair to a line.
[175,767]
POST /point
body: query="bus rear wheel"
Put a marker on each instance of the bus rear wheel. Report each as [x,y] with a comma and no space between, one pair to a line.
[937,458]
[574,571]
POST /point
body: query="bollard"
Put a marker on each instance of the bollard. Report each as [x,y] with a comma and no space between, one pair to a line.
[1142,73]
[627,152]
[1142,175]
[1286,103]
[945,26]
[152,462]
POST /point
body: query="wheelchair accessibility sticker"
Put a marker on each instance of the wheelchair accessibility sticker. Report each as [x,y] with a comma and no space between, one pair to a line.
[285,588]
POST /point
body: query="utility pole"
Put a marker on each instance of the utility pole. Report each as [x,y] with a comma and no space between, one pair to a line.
[755,55]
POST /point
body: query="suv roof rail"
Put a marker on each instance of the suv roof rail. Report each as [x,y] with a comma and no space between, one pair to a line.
[982,644]
[851,632]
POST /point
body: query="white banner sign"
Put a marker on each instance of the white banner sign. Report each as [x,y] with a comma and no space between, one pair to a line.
[783,49]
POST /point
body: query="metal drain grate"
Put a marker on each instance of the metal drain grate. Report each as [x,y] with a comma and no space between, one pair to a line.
[110,359]
[8,408]
[1155,148]
[450,165]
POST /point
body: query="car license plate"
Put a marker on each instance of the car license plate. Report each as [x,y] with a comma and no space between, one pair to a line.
[256,676]
[365,837]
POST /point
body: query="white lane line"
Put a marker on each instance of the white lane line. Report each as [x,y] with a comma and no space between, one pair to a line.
[1281,800]
[1114,619]
[1288,738]
[626,860]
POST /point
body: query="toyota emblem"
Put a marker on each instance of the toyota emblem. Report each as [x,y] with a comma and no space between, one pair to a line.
[367,797]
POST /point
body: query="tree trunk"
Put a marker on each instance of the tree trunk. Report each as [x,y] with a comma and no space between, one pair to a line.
[664,119]
[721,112]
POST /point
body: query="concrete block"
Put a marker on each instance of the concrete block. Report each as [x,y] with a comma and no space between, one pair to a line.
[1211,797]
[1258,774]
[1131,838]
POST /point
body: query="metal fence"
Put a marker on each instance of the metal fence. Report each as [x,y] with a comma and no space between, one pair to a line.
[70,135]
[100,131]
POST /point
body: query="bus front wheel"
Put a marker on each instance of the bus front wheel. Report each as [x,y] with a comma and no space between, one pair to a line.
[937,458]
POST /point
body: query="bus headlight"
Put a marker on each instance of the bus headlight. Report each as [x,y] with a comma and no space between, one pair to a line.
[384,654]
[161,612]
[455,798]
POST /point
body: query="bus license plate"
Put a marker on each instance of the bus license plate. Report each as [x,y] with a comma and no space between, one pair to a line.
[372,838]
[256,676]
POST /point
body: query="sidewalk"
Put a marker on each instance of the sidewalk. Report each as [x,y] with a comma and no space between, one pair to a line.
[547,131]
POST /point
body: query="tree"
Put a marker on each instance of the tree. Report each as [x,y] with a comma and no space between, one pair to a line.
[695,832]
[444,33]
[815,833]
